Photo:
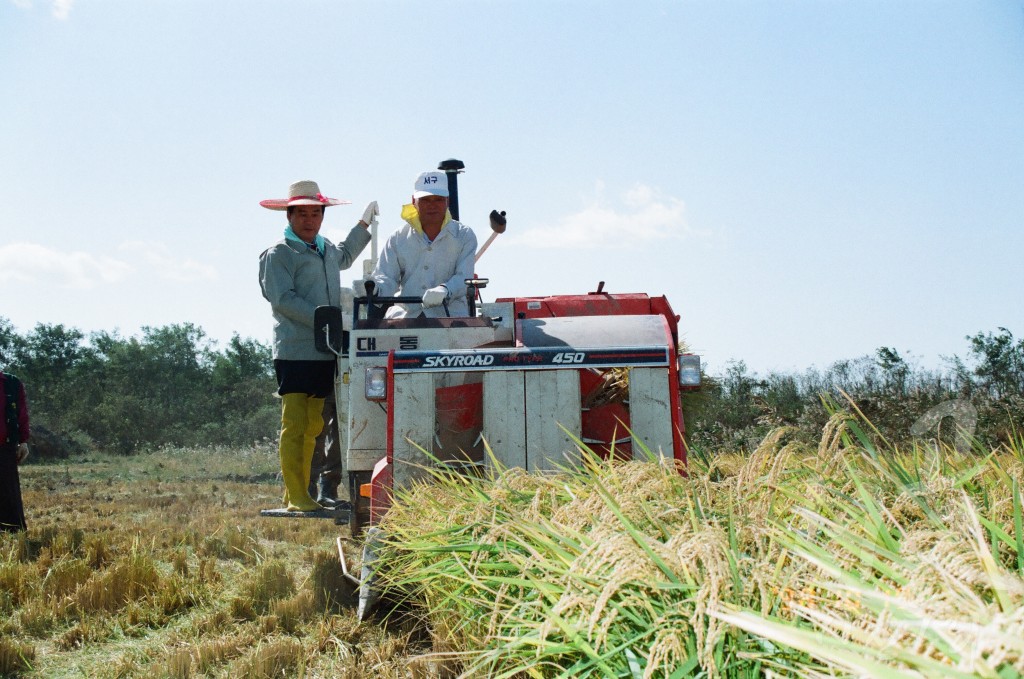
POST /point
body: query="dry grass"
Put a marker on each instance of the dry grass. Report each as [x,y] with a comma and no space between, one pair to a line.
[15,657]
[159,566]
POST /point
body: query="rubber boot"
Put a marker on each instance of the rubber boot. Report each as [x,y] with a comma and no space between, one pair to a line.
[314,425]
[294,462]
[328,495]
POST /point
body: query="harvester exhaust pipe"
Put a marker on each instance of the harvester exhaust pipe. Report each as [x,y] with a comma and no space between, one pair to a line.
[452,168]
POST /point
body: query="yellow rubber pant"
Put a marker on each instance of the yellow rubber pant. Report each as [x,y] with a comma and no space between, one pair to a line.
[301,422]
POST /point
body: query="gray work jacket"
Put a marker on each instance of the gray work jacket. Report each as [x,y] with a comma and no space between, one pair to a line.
[296,280]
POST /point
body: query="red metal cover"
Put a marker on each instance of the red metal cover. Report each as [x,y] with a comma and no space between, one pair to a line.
[595,304]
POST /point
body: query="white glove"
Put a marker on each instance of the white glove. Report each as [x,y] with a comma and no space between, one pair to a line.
[22,453]
[435,296]
[370,213]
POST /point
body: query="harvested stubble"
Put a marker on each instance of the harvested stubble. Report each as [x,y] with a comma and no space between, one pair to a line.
[108,582]
[854,558]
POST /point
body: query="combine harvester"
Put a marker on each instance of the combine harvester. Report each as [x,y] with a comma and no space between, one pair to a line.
[528,375]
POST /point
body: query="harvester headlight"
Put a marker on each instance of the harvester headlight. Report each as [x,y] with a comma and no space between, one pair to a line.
[376,386]
[689,370]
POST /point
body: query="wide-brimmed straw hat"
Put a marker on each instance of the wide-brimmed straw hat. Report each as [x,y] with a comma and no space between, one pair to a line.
[305,192]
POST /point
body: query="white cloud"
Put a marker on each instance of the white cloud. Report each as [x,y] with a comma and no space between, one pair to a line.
[62,9]
[158,260]
[38,264]
[639,216]
[59,9]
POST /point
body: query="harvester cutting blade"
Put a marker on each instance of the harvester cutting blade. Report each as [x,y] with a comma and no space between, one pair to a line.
[369,595]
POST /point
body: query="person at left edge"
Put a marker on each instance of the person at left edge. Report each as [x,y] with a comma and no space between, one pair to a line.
[298,274]
[14,435]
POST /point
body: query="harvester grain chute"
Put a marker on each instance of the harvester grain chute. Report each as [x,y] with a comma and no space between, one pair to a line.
[530,376]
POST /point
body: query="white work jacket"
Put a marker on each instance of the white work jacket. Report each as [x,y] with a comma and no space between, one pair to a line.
[410,264]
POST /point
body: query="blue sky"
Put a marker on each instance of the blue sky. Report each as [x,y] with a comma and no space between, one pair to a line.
[804,181]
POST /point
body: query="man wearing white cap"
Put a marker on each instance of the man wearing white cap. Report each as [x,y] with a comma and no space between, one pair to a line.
[430,257]
[298,274]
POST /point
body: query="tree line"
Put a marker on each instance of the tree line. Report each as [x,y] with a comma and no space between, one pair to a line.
[172,385]
[736,408]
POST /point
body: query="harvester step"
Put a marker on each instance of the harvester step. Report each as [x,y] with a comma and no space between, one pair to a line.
[338,515]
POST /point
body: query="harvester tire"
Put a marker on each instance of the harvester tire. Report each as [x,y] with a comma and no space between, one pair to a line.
[359,516]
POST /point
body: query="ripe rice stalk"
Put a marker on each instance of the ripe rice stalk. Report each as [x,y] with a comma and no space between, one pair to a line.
[931,624]
[129,578]
[293,611]
[19,582]
[614,388]
[179,664]
[573,591]
[633,569]
[215,652]
[269,581]
[840,653]
[37,618]
[15,657]
[930,584]
[331,590]
[63,578]
[275,658]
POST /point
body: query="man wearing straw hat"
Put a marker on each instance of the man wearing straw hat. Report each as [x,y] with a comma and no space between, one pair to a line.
[430,257]
[298,274]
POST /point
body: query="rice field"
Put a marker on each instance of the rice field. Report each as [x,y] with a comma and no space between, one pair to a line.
[158,565]
[854,558]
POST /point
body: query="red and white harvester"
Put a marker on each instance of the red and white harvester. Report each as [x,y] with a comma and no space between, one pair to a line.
[531,376]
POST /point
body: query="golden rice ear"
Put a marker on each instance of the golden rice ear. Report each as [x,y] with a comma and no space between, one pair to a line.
[811,551]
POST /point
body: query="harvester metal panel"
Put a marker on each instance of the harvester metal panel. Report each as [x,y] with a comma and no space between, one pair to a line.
[414,424]
[367,422]
[650,410]
[594,331]
[505,416]
[552,399]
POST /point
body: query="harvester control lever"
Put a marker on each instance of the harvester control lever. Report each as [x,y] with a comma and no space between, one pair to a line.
[498,225]
[376,307]
[498,221]
[473,286]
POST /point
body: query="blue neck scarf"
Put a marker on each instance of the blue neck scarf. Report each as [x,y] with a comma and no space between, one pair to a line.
[317,244]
